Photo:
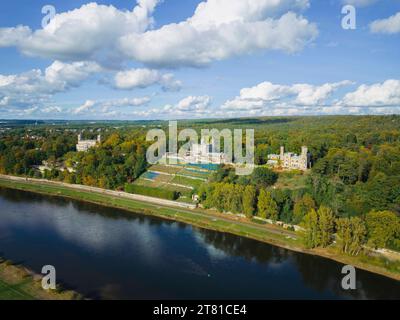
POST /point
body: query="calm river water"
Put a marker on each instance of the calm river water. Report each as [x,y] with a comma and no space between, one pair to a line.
[107,253]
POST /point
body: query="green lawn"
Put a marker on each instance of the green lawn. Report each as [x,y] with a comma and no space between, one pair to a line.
[195,173]
[293,181]
[17,284]
[194,183]
[15,291]
[166,169]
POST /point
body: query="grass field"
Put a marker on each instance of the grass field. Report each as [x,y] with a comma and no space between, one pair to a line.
[291,180]
[14,291]
[17,284]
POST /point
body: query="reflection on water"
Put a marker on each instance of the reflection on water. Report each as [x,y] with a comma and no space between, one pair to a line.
[108,253]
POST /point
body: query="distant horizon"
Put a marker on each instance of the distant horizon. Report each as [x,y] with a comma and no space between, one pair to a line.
[204,119]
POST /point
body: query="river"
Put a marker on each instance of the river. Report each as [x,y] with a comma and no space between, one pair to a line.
[106,253]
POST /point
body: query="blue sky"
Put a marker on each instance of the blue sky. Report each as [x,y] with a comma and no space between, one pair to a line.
[292,58]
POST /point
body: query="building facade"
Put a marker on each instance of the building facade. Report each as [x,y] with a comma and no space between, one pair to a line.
[202,152]
[290,160]
[205,153]
[85,145]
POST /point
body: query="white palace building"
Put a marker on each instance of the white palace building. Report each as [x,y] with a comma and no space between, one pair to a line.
[85,145]
[202,152]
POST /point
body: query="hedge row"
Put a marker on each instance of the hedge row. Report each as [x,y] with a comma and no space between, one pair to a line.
[151,192]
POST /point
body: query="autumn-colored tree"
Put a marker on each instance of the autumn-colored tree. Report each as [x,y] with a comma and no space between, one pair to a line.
[319,227]
[302,207]
[326,224]
[311,235]
[267,207]
[382,227]
[351,235]
[249,201]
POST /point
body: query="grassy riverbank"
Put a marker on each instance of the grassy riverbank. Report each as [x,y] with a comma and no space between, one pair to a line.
[210,220]
[199,217]
[18,283]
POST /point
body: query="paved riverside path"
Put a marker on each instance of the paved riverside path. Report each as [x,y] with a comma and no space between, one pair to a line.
[120,194]
[156,202]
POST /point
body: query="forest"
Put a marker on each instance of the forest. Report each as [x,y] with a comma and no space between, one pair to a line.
[352,190]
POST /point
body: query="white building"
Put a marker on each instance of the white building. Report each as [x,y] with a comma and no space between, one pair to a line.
[205,153]
[85,145]
[201,153]
[290,160]
[46,166]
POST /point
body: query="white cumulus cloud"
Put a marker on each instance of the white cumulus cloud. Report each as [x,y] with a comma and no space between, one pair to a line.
[217,30]
[86,33]
[375,95]
[85,107]
[13,36]
[37,86]
[194,104]
[127,102]
[283,96]
[52,109]
[142,78]
[197,42]
[108,107]
[389,26]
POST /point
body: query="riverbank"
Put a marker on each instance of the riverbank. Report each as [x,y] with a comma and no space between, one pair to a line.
[19,283]
[209,220]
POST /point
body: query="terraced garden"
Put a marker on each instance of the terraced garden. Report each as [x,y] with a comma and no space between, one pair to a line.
[184,179]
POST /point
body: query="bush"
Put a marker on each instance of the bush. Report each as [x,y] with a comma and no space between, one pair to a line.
[263,177]
[151,192]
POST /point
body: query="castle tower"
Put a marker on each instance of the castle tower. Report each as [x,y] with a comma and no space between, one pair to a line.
[79,137]
[282,153]
[305,157]
[99,138]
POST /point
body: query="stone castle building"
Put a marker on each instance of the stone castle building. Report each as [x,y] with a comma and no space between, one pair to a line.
[85,145]
[290,160]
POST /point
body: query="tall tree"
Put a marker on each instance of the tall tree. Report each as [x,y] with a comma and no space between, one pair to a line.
[302,207]
[311,235]
[382,227]
[326,223]
[351,235]
[267,207]
[263,177]
[249,201]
